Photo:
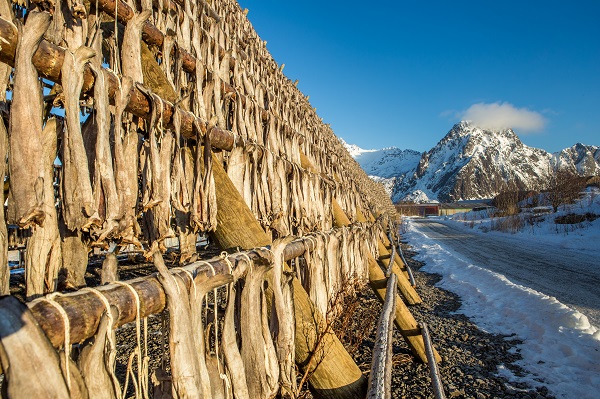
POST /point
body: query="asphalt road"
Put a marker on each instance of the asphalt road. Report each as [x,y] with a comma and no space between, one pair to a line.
[570,276]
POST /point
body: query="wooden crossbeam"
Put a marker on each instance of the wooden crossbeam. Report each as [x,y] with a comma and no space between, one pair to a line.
[48,60]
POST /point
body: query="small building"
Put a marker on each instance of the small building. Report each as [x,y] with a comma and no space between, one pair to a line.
[442,209]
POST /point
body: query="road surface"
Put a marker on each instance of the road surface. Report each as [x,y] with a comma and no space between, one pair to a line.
[570,276]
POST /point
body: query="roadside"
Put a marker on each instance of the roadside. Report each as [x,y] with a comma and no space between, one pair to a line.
[472,358]
[558,346]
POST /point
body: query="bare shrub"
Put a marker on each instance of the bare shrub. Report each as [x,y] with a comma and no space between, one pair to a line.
[564,187]
[341,319]
[573,218]
[508,224]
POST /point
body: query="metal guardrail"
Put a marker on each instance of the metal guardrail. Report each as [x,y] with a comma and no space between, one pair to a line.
[436,380]
[380,377]
[388,272]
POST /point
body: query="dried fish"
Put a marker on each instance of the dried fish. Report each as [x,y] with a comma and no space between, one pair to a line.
[254,348]
[158,207]
[77,197]
[106,198]
[110,269]
[94,363]
[43,258]
[131,52]
[25,347]
[271,364]
[204,201]
[284,308]
[25,128]
[233,358]
[182,346]
[126,155]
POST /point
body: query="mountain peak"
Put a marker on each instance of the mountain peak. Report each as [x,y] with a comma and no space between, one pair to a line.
[471,162]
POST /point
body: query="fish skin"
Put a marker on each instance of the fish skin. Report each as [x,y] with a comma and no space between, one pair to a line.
[25,127]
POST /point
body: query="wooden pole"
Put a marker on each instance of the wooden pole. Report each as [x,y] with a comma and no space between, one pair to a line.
[407,289]
[48,60]
[405,322]
[84,307]
[336,374]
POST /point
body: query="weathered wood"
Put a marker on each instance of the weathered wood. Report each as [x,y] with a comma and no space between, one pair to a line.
[380,378]
[49,58]
[84,308]
[236,225]
[405,322]
[400,266]
[336,374]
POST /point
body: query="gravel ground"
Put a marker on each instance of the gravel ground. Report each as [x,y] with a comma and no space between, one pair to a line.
[471,357]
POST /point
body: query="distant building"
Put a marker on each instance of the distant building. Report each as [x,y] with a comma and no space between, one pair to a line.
[442,209]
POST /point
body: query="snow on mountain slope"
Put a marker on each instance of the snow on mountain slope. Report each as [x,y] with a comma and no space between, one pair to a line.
[470,163]
[581,158]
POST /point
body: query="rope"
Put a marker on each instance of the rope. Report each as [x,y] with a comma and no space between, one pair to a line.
[190,275]
[111,342]
[222,375]
[142,360]
[67,325]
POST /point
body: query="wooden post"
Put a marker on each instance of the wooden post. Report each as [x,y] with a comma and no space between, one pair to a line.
[336,374]
[408,291]
[405,322]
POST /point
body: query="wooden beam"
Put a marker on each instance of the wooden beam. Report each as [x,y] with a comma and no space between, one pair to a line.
[84,308]
[48,60]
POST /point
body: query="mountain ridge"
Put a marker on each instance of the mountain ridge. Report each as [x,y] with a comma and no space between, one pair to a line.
[468,163]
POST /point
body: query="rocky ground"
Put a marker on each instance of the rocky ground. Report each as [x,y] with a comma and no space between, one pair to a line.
[471,357]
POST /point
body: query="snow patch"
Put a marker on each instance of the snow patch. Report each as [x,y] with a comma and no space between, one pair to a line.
[560,346]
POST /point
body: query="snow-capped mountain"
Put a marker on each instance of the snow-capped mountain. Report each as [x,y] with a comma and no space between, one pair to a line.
[470,163]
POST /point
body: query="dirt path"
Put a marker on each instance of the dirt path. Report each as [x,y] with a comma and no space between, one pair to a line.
[568,275]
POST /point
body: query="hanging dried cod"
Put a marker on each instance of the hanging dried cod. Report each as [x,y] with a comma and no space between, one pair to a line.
[77,197]
[209,366]
[234,362]
[204,200]
[261,376]
[186,334]
[283,299]
[43,258]
[25,128]
[182,346]
[157,182]
[182,185]
[96,362]
[106,199]
[25,347]
[131,52]
[126,155]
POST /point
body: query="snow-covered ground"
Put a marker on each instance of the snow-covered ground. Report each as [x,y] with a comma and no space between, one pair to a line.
[560,347]
[540,227]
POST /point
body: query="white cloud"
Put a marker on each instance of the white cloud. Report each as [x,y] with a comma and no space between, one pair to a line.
[503,116]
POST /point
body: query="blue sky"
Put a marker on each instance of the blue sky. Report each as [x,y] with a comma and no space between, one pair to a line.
[401,73]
